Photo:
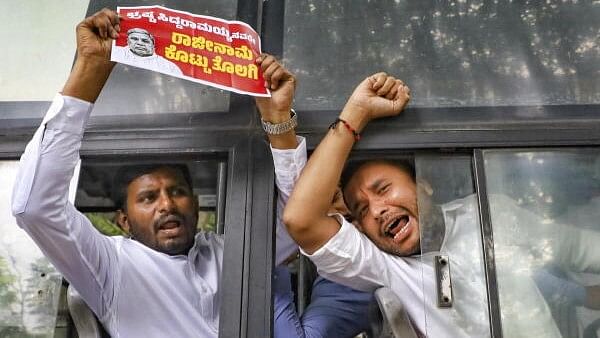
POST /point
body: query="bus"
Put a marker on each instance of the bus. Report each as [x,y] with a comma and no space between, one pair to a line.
[505,101]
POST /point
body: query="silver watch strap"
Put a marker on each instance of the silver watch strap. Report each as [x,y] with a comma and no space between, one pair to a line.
[280,128]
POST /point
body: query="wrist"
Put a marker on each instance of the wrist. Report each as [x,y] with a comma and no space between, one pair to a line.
[93,63]
[277,116]
[87,78]
[283,126]
[355,117]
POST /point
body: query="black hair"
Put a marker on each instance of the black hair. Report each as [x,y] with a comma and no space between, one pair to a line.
[126,174]
[352,167]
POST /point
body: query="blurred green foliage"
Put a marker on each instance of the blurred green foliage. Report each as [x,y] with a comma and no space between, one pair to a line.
[103,222]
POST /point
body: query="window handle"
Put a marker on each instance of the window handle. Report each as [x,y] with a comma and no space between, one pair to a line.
[443,281]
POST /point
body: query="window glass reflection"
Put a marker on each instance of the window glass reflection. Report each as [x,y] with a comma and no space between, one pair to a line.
[129,90]
[29,284]
[449,221]
[544,211]
[135,91]
[451,53]
[40,41]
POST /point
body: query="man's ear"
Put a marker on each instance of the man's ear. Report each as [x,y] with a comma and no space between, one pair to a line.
[122,221]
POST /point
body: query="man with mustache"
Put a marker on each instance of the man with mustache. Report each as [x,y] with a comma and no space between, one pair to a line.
[382,246]
[165,280]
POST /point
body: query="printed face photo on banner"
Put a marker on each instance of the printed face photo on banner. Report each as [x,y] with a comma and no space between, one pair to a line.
[140,42]
[198,48]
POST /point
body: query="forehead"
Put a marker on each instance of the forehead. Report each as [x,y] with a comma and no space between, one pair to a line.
[163,175]
[370,175]
[139,35]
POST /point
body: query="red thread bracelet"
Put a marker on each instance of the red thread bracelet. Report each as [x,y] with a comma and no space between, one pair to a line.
[347,125]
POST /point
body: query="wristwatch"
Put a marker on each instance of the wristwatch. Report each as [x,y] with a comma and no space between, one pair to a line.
[280,128]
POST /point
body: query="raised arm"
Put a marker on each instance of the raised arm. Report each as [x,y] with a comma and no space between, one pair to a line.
[306,213]
[276,109]
[289,151]
[40,196]
[93,66]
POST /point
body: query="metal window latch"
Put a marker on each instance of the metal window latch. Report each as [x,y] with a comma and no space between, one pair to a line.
[443,281]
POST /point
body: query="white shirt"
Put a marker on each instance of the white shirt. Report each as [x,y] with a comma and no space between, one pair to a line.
[134,290]
[153,62]
[522,245]
[288,166]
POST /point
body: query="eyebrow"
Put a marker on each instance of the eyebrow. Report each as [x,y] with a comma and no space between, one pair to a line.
[375,185]
[145,191]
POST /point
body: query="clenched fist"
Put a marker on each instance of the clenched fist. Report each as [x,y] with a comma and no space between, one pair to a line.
[95,34]
[379,95]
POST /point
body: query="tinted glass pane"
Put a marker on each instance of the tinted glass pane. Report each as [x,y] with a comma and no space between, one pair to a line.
[29,284]
[129,90]
[545,209]
[132,91]
[451,53]
[40,41]
[450,229]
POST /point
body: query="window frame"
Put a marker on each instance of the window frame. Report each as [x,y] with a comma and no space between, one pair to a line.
[455,129]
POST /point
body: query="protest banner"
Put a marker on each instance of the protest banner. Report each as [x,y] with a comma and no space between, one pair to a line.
[198,48]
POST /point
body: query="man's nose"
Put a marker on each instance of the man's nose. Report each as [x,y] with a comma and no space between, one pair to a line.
[166,203]
[378,210]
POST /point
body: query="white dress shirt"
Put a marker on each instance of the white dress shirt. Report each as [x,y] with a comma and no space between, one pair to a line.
[135,291]
[523,245]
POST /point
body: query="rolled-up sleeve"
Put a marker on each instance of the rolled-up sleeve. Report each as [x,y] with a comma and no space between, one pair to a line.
[288,166]
[41,205]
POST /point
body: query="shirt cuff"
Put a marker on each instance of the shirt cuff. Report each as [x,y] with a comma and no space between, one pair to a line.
[290,159]
[68,114]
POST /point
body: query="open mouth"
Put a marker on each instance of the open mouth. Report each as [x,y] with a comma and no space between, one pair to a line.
[171,226]
[397,227]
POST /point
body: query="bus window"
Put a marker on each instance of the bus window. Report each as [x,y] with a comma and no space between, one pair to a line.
[29,285]
[49,56]
[95,196]
[544,211]
[450,229]
[102,192]
[430,203]
[450,53]
[123,94]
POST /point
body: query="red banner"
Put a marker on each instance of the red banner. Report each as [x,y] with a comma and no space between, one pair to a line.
[198,48]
